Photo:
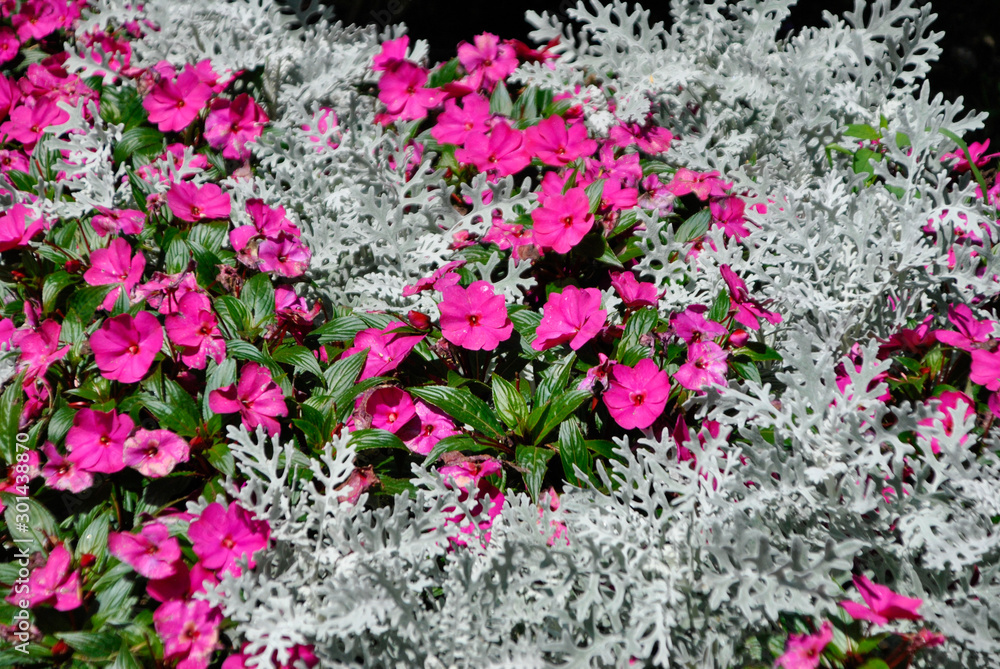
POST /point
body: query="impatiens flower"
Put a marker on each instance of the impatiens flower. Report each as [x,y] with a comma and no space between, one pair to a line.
[951,402]
[117,266]
[636,396]
[727,213]
[487,61]
[54,583]
[986,369]
[434,426]
[230,125]
[299,656]
[392,54]
[651,138]
[692,326]
[9,46]
[554,144]
[17,228]
[165,291]
[573,316]
[634,294]
[40,348]
[883,604]
[220,537]
[499,153]
[402,91]
[474,318]
[285,256]
[390,409]
[172,105]
[747,310]
[256,397]
[152,552]
[189,629]
[563,221]
[455,124]
[193,203]
[704,185]
[976,150]
[970,330]
[61,474]
[96,441]
[440,279]
[386,349]
[124,347]
[805,650]
[597,376]
[705,366]
[155,453]
[113,221]
[28,123]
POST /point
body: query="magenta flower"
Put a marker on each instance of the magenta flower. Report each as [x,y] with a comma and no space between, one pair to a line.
[704,185]
[986,369]
[501,152]
[883,604]
[554,144]
[747,310]
[52,583]
[115,265]
[192,203]
[220,537]
[165,291]
[970,330]
[390,409]
[691,326]
[392,54]
[563,221]
[636,396]
[40,348]
[113,221]
[268,223]
[256,397]
[61,474]
[386,349]
[195,330]
[574,316]
[152,552]
[634,294]
[950,400]
[650,138]
[976,150]
[474,318]
[434,426]
[455,124]
[28,123]
[124,347]
[230,125]
[96,441]
[439,279]
[487,61]
[9,46]
[286,256]
[705,366]
[155,453]
[805,650]
[189,629]
[172,105]
[16,228]
[728,213]
[402,91]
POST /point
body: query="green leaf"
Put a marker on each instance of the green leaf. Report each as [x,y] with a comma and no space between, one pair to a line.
[116,604]
[874,663]
[500,102]
[211,236]
[40,522]
[758,352]
[94,539]
[445,74]
[301,357]
[10,418]
[526,322]
[608,256]
[694,227]
[862,131]
[341,375]
[555,378]
[376,438]
[233,315]
[343,328]
[86,300]
[559,409]
[639,323]
[748,371]
[172,406]
[93,645]
[243,350]
[344,401]
[463,406]
[595,192]
[720,308]
[53,285]
[125,659]
[177,257]
[220,457]
[457,442]
[511,407]
[573,451]
[22,180]
[143,141]
[862,161]
[258,297]
[534,461]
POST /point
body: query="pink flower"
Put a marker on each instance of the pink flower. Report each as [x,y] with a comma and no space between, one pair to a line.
[96,441]
[220,537]
[61,474]
[386,349]
[883,604]
[804,650]
[155,453]
[256,397]
[172,105]
[456,124]
[488,61]
[40,348]
[650,138]
[474,318]
[16,229]
[230,125]
[986,369]
[27,123]
[392,54]
[195,330]
[636,396]
[165,291]
[286,256]
[113,221]
[40,18]
[189,630]
[976,150]
[574,316]
[950,400]
[192,203]
[124,347]
[551,142]
[500,153]
[52,583]
[691,326]
[299,656]
[391,409]
[152,552]
[403,93]
[434,426]
[563,221]
[440,279]
[9,46]
[727,213]
[634,294]
[747,311]
[705,366]
[115,265]
[970,330]
[704,185]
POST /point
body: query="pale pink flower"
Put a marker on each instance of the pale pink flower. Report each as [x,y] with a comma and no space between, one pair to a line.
[220,537]
[189,630]
[155,453]
[61,474]
[705,366]
[474,318]
[96,441]
[386,349]
[54,583]
[117,266]
[563,221]
[636,396]
[152,552]
[573,316]
[554,144]
[256,397]
[704,185]
[193,203]
[434,426]
[883,604]
[124,347]
[172,105]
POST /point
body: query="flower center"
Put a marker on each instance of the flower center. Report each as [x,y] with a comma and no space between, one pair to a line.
[473,320]
[637,398]
[567,221]
[228,543]
[133,349]
[105,440]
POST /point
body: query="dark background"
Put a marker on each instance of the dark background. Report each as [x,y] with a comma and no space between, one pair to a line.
[969,65]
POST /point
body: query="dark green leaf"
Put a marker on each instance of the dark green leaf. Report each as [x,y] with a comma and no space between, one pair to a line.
[573,451]
[93,645]
[720,308]
[301,357]
[258,297]
[510,405]
[86,300]
[555,378]
[463,406]
[640,323]
[748,371]
[22,180]
[94,539]
[145,142]
[694,227]
[561,407]
[221,458]
[343,328]
[595,192]
[172,406]
[375,438]
[445,74]
[341,375]
[458,442]
[534,461]
[758,352]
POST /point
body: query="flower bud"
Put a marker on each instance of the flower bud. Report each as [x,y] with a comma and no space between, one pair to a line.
[738,338]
